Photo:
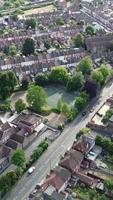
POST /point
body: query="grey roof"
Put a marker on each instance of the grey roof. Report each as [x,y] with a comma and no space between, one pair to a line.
[65,174]
[51,194]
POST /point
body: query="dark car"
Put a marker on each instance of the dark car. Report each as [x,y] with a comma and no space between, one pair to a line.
[84,113]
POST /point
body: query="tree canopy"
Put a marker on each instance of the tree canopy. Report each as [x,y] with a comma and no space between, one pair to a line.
[41,79]
[90,30]
[36,97]
[78,40]
[101,75]
[90,87]
[30,23]
[85,65]
[28,46]
[18,158]
[20,105]
[8,82]
[76,82]
[10,50]
[81,100]
[59,75]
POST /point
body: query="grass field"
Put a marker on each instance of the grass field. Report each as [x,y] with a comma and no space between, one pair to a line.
[49,8]
[56,93]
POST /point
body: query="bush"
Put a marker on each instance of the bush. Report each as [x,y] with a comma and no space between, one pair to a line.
[37,153]
[107,116]
[82,132]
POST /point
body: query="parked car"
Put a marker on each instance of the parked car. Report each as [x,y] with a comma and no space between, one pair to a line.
[84,113]
[31,170]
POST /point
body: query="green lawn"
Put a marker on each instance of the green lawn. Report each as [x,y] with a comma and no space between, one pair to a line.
[55,93]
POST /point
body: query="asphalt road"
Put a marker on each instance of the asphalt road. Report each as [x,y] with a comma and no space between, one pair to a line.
[51,157]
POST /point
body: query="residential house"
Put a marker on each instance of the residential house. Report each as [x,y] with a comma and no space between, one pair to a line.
[85,179]
[27,121]
[58,178]
[13,144]
[5,132]
[84,144]
[4,157]
[99,43]
[23,138]
[72,161]
[51,194]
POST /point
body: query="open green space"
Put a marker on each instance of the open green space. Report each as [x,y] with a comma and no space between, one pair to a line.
[55,93]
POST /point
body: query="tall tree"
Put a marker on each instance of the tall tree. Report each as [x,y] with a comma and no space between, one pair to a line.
[65,109]
[81,100]
[8,82]
[20,105]
[59,105]
[90,30]
[30,23]
[28,46]
[41,79]
[97,77]
[36,97]
[85,65]
[18,158]
[90,87]
[59,75]
[76,82]
[78,40]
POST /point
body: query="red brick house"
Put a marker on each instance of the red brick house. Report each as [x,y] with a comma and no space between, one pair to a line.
[72,161]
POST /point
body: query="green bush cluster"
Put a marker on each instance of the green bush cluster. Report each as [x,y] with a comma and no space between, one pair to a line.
[107,116]
[105,143]
[7,181]
[37,153]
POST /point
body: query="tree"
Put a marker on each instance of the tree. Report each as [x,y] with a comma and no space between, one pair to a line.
[90,87]
[98,140]
[18,158]
[59,21]
[8,82]
[59,105]
[85,65]
[59,75]
[97,77]
[78,40]
[28,46]
[90,30]
[105,143]
[81,101]
[92,194]
[65,109]
[20,105]
[106,72]
[76,82]
[30,23]
[107,115]
[82,131]
[10,50]
[36,97]
[109,185]
[41,79]
[102,74]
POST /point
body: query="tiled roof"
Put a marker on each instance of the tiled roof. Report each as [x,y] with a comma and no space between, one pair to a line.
[72,161]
